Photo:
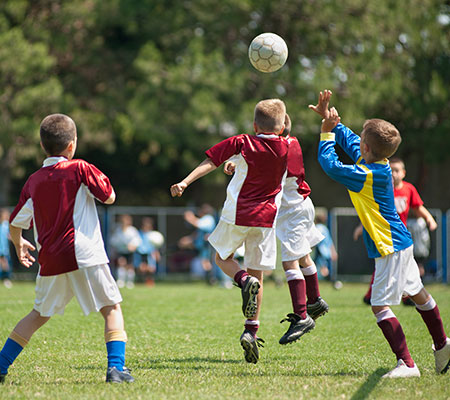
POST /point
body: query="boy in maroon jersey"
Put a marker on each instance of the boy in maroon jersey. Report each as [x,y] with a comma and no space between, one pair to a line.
[248,215]
[58,201]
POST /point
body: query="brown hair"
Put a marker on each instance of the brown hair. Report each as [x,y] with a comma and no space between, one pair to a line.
[270,115]
[287,125]
[398,160]
[57,131]
[382,137]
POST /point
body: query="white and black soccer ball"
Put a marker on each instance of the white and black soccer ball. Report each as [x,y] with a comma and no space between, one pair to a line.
[268,52]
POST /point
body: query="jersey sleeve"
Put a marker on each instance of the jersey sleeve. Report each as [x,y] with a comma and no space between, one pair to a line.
[349,141]
[22,215]
[225,149]
[351,176]
[415,200]
[96,181]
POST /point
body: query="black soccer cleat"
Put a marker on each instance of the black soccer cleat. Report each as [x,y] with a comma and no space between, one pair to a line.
[297,328]
[317,309]
[366,300]
[2,378]
[250,345]
[249,292]
[113,375]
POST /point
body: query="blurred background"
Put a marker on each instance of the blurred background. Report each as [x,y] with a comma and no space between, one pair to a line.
[151,85]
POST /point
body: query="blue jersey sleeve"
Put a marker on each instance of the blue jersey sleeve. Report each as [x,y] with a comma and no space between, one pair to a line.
[349,141]
[351,176]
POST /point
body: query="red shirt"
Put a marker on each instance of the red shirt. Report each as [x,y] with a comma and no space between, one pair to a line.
[405,198]
[59,200]
[296,168]
[260,167]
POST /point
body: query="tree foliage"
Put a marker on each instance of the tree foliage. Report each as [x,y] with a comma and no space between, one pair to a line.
[152,84]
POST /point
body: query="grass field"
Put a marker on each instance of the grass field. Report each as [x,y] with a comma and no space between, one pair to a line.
[184,344]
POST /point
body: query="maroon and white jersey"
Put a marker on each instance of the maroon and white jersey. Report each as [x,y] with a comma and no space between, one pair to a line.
[254,192]
[58,200]
[295,189]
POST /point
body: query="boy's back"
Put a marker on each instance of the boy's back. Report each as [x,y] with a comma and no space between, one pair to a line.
[59,198]
[260,165]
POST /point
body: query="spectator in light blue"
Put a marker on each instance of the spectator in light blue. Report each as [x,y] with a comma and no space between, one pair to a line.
[5,259]
[147,255]
[325,252]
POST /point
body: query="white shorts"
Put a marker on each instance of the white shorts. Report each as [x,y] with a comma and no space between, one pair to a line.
[94,287]
[296,231]
[396,275]
[260,244]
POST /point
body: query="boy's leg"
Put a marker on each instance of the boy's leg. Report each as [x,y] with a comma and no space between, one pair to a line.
[249,284]
[19,338]
[368,295]
[301,322]
[428,309]
[316,306]
[115,338]
[249,340]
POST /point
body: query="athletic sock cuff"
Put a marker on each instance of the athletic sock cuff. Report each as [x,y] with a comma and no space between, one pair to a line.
[18,339]
[384,314]
[311,270]
[428,306]
[293,274]
[116,336]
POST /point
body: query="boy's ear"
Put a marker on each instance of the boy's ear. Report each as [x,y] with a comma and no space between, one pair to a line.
[255,127]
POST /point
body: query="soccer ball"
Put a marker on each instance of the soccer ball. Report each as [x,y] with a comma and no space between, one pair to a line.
[268,52]
[156,239]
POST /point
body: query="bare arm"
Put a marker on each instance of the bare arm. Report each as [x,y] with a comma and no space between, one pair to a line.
[205,167]
[421,211]
[22,246]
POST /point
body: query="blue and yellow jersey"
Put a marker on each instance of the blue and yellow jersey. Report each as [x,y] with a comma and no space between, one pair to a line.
[371,191]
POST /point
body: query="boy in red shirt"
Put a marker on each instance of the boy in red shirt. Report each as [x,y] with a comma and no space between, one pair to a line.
[248,215]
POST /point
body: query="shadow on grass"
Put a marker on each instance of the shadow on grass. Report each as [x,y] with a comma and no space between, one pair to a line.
[367,387]
[177,363]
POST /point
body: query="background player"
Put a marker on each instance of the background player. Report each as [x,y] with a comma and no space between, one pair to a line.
[58,200]
[248,215]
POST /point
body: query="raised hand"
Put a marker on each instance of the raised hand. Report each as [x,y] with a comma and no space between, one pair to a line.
[322,106]
[331,120]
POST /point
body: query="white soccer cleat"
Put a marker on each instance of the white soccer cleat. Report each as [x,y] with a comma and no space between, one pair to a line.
[442,358]
[403,371]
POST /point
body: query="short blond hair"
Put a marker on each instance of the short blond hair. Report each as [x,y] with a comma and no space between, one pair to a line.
[382,137]
[270,115]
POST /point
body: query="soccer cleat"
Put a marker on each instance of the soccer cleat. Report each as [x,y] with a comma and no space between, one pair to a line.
[317,309]
[249,291]
[297,328]
[366,300]
[403,371]
[113,375]
[2,378]
[406,301]
[442,358]
[250,345]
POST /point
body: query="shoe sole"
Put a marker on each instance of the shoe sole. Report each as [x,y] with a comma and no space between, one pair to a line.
[321,313]
[250,308]
[446,368]
[307,330]
[250,355]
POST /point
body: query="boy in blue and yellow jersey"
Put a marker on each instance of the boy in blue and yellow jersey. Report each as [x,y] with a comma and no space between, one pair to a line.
[369,183]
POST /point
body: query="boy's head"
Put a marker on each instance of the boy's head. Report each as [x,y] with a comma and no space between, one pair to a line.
[398,170]
[269,116]
[58,132]
[380,138]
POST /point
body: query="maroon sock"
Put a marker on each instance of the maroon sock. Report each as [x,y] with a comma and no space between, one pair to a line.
[368,295]
[393,332]
[312,288]
[433,321]
[252,328]
[297,288]
[240,276]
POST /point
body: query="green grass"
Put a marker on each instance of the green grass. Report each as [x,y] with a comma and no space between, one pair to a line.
[184,344]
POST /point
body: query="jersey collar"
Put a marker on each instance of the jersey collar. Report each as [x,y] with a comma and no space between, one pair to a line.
[53,160]
[267,136]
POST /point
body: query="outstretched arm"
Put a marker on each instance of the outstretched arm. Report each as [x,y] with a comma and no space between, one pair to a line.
[205,167]
[22,246]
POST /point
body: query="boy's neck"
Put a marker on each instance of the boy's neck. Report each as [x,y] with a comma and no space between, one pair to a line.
[399,185]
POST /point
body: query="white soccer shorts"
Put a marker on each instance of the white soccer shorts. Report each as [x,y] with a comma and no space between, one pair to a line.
[296,231]
[396,275]
[260,244]
[94,287]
